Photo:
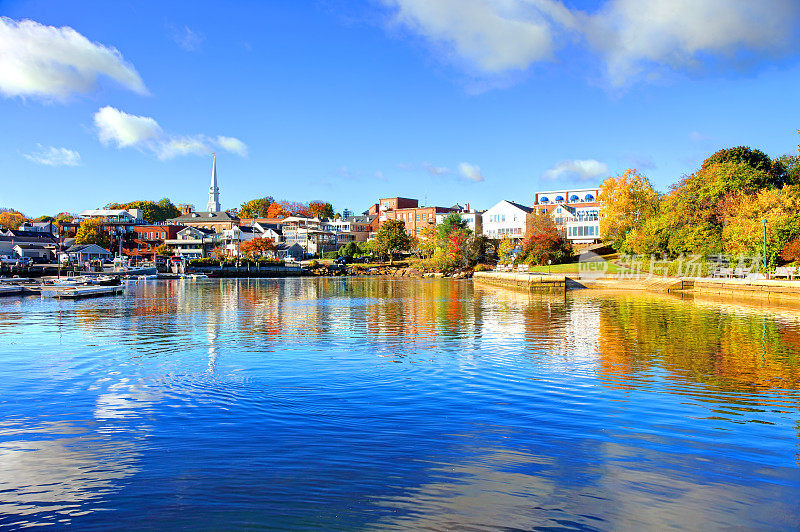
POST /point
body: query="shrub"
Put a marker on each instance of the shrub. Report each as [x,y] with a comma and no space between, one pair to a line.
[482,268]
[330,254]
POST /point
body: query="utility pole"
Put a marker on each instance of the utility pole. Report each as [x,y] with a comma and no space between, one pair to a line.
[766,272]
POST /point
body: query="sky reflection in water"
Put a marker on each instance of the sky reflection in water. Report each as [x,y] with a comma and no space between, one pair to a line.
[389,404]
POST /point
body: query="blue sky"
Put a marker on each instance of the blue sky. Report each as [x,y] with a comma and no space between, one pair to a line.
[444,100]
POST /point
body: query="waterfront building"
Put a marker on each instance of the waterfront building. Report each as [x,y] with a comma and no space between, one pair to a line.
[146,238]
[576,212]
[473,218]
[81,253]
[308,233]
[233,238]
[350,229]
[215,221]
[40,227]
[195,242]
[506,219]
[10,238]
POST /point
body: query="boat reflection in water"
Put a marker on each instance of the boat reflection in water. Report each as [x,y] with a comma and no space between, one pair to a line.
[383,403]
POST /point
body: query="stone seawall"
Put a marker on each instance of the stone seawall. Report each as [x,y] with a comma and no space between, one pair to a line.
[523,281]
[772,290]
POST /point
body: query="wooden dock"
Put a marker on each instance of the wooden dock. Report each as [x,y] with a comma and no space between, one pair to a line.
[11,290]
[79,292]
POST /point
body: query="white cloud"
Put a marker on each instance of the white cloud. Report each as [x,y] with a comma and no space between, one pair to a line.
[470,172]
[123,129]
[187,39]
[52,156]
[232,145]
[583,169]
[637,37]
[494,36]
[50,62]
[436,170]
[634,39]
[143,133]
[379,176]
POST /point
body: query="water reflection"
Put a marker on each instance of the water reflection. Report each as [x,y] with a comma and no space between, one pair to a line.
[383,403]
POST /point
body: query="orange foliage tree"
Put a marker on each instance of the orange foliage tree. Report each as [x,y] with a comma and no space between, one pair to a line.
[276,210]
[320,209]
[257,247]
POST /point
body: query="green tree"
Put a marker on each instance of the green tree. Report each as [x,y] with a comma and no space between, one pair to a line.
[256,208]
[91,232]
[392,238]
[164,250]
[774,171]
[349,250]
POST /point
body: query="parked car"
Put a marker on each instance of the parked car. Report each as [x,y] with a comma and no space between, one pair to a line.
[340,260]
[9,260]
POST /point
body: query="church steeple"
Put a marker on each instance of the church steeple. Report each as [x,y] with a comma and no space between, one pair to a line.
[213,190]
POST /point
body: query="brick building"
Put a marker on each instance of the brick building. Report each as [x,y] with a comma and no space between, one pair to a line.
[146,238]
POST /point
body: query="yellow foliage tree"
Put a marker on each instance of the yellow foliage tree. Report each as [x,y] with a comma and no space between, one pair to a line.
[91,232]
[626,201]
[11,219]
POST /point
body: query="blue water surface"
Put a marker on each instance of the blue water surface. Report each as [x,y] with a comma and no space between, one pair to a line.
[364,403]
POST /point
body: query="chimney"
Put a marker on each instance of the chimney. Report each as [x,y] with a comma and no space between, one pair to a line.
[467,207]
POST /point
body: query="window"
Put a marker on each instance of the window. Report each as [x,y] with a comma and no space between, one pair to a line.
[504,218]
[423,216]
[418,217]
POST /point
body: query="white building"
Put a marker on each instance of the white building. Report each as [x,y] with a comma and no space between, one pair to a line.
[473,218]
[574,211]
[123,216]
[195,242]
[506,219]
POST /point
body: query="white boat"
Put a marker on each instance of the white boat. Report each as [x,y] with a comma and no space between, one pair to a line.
[149,277]
[196,276]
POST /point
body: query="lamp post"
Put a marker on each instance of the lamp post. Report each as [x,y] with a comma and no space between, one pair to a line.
[764,223]
[549,262]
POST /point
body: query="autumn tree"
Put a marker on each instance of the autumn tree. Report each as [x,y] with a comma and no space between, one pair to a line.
[626,201]
[543,241]
[91,232]
[258,247]
[276,210]
[392,238]
[11,219]
[320,209]
[296,208]
[256,208]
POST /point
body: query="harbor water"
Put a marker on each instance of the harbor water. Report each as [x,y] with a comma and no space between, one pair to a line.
[389,404]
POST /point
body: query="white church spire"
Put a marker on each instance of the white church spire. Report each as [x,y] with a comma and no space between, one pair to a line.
[213,190]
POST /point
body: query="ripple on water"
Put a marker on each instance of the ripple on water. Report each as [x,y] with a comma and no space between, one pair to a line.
[395,404]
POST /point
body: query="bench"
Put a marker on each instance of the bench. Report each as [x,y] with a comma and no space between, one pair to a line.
[789,272]
[723,272]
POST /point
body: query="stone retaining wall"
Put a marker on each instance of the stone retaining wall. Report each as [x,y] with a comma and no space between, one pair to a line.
[523,281]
